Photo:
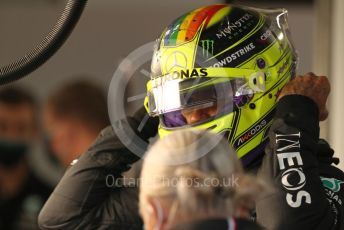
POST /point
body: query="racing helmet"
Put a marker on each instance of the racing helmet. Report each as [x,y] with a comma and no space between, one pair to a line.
[221,68]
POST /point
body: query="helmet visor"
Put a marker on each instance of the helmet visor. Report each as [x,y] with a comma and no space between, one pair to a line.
[181,102]
[199,105]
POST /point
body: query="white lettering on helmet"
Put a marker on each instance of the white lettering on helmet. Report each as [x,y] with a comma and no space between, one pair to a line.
[235,55]
[266,35]
[248,135]
[231,27]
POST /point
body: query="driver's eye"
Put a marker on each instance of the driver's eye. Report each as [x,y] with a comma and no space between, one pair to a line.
[194,115]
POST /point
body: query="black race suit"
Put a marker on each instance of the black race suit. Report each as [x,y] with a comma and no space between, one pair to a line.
[308,192]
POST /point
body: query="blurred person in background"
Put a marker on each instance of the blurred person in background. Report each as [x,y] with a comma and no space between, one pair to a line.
[209,192]
[22,193]
[73,117]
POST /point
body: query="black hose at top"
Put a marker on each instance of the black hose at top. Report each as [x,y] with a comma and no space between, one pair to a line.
[48,47]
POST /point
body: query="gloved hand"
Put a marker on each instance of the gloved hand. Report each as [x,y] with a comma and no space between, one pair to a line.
[310,85]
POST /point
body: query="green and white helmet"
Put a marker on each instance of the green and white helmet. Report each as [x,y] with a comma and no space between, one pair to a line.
[221,68]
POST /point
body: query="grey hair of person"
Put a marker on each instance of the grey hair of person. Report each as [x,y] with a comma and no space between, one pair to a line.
[214,182]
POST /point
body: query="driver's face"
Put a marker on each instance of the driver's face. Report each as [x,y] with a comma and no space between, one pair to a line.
[194,115]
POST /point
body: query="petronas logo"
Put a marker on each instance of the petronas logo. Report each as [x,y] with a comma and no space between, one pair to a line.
[332,183]
[207,48]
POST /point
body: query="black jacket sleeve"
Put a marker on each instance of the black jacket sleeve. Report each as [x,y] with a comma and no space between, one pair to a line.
[91,194]
[294,166]
[84,199]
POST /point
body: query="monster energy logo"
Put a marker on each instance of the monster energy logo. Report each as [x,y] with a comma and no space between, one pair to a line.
[332,183]
[207,48]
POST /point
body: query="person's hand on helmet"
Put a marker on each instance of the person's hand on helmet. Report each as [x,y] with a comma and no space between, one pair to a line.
[310,85]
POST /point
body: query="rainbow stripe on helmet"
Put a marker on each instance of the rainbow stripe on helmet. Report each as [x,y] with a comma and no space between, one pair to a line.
[185,27]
